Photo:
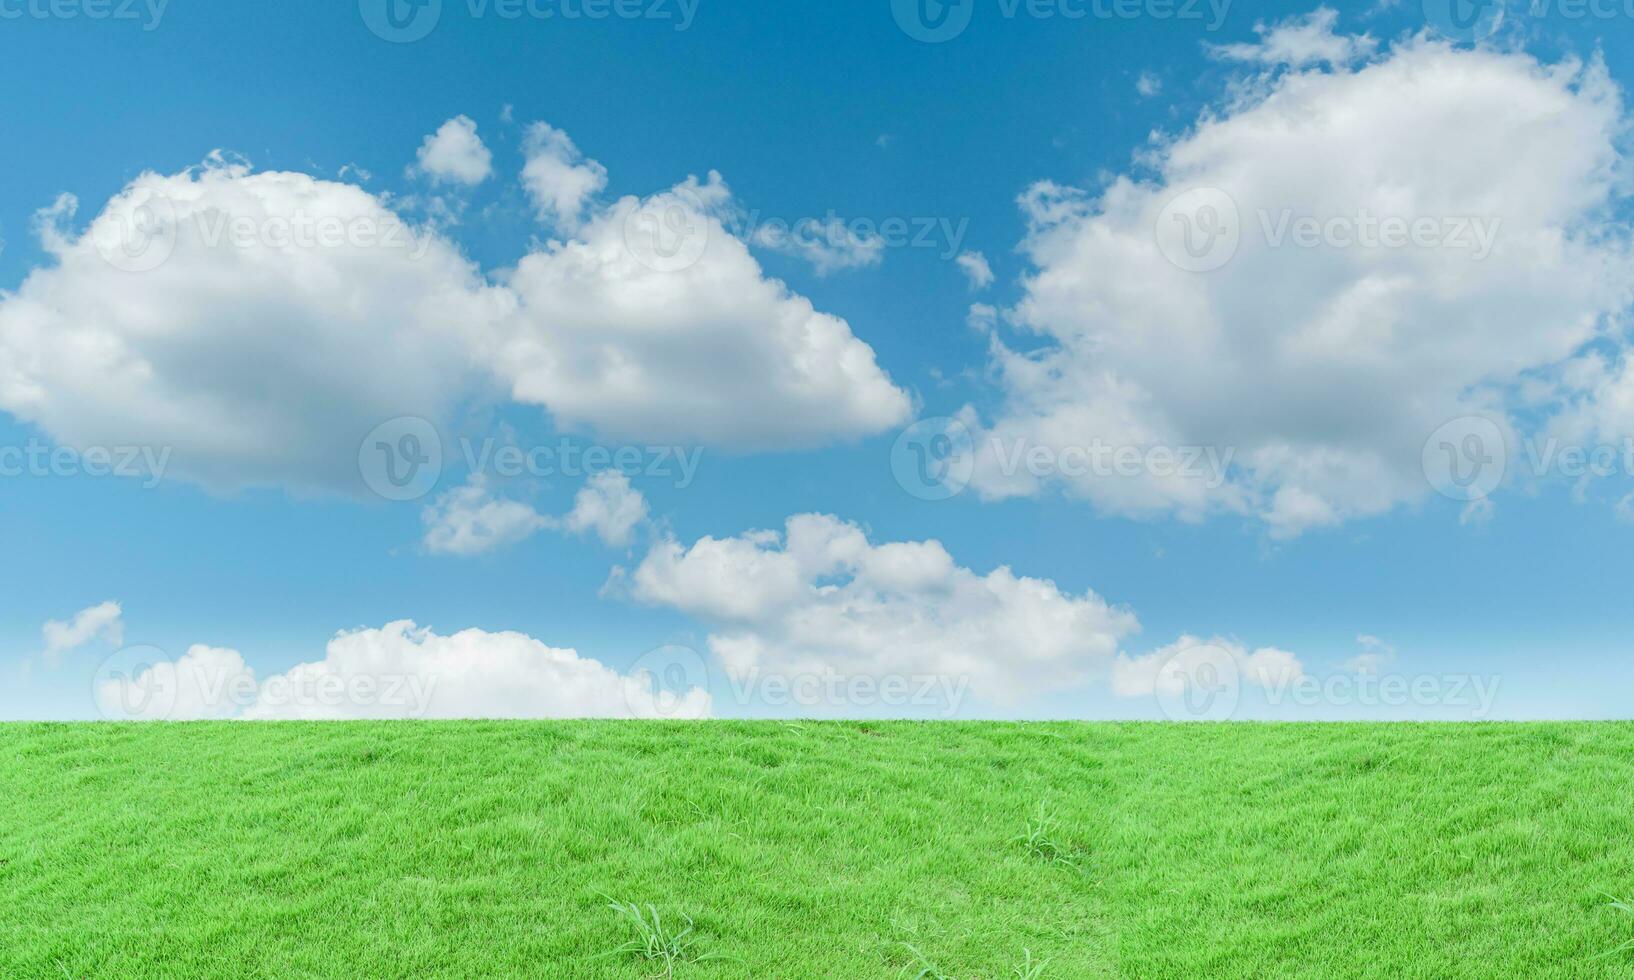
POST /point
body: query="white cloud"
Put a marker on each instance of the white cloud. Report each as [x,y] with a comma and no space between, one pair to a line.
[828,246]
[1148,84]
[1375,655]
[1324,369]
[197,686]
[820,599]
[399,671]
[470,520]
[104,621]
[1168,670]
[608,506]
[559,179]
[288,317]
[1301,41]
[975,267]
[256,326]
[456,153]
[690,344]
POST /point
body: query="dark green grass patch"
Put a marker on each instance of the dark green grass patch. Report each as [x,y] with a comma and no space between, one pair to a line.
[815,850]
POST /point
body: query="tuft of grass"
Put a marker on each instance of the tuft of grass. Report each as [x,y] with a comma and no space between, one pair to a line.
[1039,840]
[1030,969]
[928,970]
[1625,907]
[656,942]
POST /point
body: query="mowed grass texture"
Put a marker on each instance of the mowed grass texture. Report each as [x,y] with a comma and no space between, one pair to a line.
[845,850]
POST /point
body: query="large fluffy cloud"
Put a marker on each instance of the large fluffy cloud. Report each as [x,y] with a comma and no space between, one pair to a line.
[1324,365]
[398,671]
[655,323]
[1168,670]
[820,598]
[258,324]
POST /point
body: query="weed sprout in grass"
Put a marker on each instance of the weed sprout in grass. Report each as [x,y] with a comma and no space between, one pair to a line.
[661,944]
[1625,907]
[1039,840]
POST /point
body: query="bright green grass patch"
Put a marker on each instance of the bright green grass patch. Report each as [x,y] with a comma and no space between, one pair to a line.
[815,850]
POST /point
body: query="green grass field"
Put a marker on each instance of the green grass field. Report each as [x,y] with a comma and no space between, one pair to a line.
[816,850]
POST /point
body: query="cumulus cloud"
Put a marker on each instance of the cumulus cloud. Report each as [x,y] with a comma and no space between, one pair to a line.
[820,598]
[470,520]
[977,271]
[399,671]
[1323,363]
[559,179]
[455,153]
[828,245]
[1168,670]
[608,507]
[1300,41]
[200,685]
[256,324]
[104,621]
[657,324]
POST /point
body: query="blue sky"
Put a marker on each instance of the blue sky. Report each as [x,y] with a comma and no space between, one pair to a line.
[808,110]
